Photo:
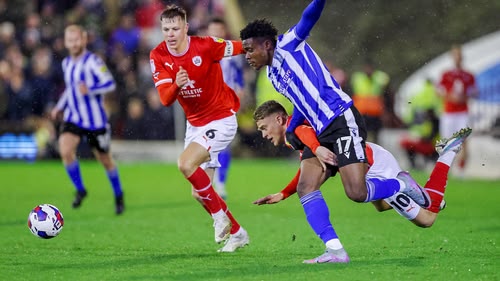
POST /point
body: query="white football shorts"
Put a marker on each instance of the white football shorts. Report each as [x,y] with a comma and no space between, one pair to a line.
[214,137]
[450,123]
[386,166]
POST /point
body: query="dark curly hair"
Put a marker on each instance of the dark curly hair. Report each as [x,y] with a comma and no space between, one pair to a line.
[262,28]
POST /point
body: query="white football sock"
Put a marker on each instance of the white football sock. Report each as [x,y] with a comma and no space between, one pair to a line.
[447,158]
[334,244]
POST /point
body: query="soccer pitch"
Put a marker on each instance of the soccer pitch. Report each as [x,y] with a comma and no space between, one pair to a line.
[165,235]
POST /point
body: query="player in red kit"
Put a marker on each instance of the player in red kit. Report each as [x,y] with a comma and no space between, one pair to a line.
[186,68]
[272,120]
[456,87]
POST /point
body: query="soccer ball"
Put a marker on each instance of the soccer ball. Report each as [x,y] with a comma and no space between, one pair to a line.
[45,221]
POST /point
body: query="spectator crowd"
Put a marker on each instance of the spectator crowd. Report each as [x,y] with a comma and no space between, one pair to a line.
[123,33]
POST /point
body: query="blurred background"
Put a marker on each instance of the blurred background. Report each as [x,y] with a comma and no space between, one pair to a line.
[406,43]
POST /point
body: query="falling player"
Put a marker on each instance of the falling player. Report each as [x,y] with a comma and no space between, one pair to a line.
[298,73]
[271,119]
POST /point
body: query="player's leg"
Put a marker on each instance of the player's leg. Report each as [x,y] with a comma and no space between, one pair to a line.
[316,210]
[407,208]
[373,189]
[447,150]
[100,141]
[346,135]
[436,184]
[235,226]
[220,176]
[410,210]
[238,237]
[381,205]
[189,164]
[385,165]
[113,177]
[201,151]
[197,197]
[68,143]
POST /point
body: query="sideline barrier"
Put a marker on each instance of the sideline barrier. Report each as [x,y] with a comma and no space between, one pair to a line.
[21,146]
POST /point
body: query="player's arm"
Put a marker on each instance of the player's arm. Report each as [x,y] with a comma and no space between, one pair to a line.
[239,79]
[307,136]
[236,49]
[63,101]
[102,77]
[165,85]
[221,48]
[289,190]
[296,120]
[61,104]
[309,18]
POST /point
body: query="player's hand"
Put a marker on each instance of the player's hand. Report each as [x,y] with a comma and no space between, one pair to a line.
[269,199]
[55,114]
[325,155]
[182,77]
[83,88]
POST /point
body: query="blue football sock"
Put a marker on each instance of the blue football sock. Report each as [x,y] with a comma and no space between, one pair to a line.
[114,178]
[74,174]
[381,188]
[224,160]
[318,215]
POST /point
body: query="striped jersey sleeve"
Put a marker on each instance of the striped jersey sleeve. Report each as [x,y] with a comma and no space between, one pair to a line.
[232,72]
[299,74]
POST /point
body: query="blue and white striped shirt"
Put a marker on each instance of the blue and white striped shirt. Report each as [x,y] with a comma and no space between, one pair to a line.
[232,72]
[298,73]
[85,111]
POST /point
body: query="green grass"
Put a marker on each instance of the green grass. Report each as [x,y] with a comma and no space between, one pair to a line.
[165,235]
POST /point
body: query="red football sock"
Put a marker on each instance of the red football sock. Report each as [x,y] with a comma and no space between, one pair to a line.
[206,208]
[436,185]
[202,185]
[235,225]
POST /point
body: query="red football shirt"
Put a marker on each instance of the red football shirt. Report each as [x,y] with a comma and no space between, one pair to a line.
[205,97]
[465,84]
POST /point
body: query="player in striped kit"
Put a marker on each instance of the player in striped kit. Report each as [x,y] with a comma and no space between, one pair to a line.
[271,119]
[232,72]
[81,107]
[298,73]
